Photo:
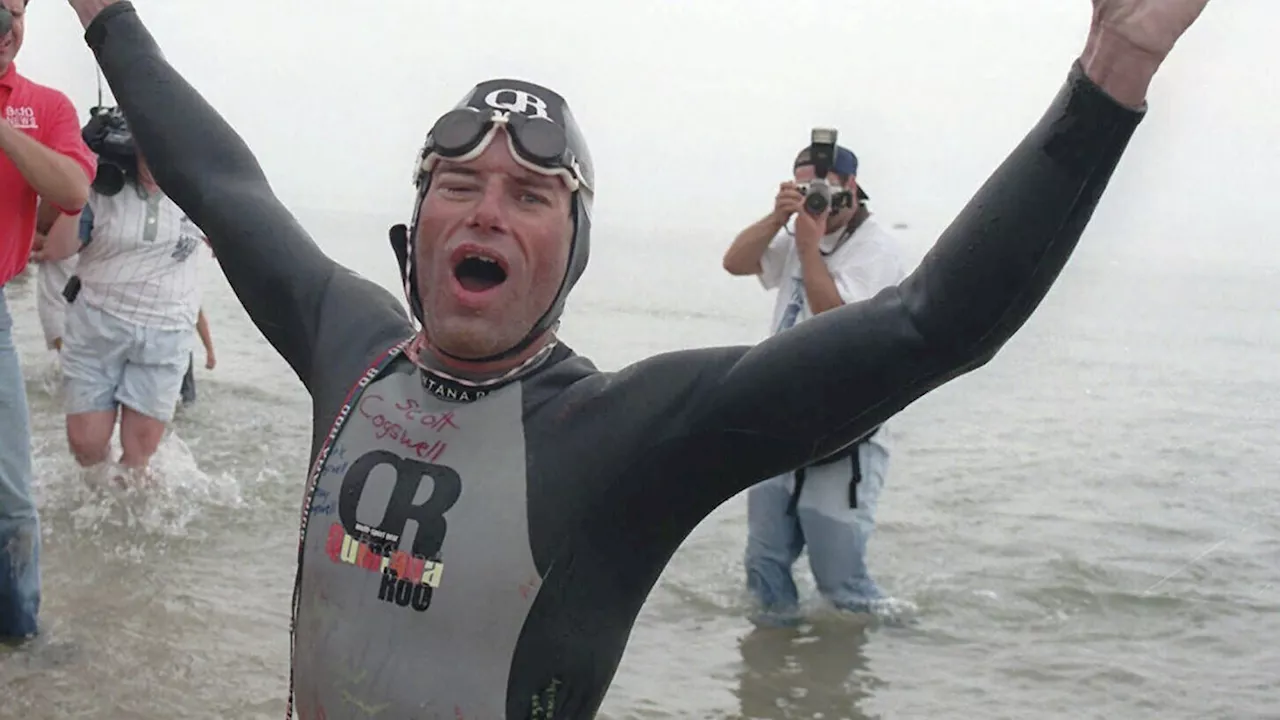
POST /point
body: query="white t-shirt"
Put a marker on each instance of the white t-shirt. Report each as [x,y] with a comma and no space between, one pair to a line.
[141,260]
[869,261]
[865,264]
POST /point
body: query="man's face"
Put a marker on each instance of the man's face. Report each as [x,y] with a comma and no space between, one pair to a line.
[835,221]
[12,43]
[492,248]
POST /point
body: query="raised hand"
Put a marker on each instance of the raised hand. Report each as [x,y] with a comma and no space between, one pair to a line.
[1129,39]
[1150,26]
[87,10]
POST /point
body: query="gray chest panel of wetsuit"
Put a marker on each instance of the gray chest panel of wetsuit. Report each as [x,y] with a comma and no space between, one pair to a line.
[428,628]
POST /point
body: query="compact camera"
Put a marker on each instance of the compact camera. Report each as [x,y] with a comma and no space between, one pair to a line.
[819,195]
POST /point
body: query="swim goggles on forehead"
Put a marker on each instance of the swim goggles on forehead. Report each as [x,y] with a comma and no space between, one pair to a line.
[536,143]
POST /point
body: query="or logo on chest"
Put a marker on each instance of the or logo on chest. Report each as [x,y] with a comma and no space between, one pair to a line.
[407,484]
[21,118]
[408,578]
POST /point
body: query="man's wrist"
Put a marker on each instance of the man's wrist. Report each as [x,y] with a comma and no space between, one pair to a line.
[1123,70]
[87,10]
[808,251]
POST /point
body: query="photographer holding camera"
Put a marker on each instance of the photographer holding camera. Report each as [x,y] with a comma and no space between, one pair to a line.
[133,303]
[836,255]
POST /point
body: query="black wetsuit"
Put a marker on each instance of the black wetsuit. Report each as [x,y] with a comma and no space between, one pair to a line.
[468,557]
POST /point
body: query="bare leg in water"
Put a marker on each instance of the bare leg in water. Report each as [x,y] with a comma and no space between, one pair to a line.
[140,435]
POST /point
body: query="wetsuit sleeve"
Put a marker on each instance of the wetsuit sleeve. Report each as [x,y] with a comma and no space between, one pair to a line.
[308,307]
[815,389]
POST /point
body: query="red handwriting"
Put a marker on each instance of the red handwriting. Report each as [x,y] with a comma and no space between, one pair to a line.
[390,425]
[435,421]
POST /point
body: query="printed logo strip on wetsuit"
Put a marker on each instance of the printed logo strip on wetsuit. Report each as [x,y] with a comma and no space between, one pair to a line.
[454,389]
[308,495]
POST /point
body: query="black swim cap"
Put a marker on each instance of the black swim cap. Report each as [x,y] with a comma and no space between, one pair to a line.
[514,97]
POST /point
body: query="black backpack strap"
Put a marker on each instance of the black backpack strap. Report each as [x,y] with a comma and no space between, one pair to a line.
[855,479]
[850,452]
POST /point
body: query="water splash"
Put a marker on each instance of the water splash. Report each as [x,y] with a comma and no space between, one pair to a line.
[162,501]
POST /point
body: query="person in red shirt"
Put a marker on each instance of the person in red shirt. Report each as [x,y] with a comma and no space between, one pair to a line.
[41,156]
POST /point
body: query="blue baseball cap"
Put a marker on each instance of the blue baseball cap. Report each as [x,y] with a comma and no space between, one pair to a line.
[846,163]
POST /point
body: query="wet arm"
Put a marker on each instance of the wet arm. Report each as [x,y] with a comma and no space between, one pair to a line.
[276,270]
[813,390]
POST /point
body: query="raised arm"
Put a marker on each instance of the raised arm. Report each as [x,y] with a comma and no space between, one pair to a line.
[279,274]
[746,254]
[813,390]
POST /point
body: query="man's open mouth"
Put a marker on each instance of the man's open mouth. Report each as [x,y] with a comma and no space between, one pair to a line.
[477,273]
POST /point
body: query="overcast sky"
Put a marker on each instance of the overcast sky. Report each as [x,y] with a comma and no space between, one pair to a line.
[693,110]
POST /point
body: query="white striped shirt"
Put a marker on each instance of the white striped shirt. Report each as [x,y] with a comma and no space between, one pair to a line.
[140,262]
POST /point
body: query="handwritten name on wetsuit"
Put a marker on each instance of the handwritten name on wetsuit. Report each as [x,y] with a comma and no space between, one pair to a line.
[401,422]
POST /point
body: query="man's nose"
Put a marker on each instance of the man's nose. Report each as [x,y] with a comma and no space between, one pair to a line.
[489,213]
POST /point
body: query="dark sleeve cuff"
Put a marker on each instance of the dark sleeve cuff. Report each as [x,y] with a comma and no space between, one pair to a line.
[1085,85]
[1084,126]
[96,33]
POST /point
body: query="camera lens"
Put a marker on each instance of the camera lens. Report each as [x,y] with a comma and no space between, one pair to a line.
[815,203]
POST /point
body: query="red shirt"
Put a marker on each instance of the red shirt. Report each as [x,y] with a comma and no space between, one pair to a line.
[48,116]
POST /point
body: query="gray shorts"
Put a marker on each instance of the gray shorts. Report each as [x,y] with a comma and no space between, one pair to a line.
[108,362]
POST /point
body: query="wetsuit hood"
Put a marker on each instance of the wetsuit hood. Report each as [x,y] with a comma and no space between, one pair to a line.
[532,100]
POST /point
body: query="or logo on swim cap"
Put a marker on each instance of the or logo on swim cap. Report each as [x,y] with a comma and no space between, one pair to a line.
[517,101]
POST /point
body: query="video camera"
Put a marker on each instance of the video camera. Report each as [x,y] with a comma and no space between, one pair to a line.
[818,193]
[107,134]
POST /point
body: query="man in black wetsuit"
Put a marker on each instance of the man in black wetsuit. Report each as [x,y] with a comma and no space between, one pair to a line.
[547,496]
